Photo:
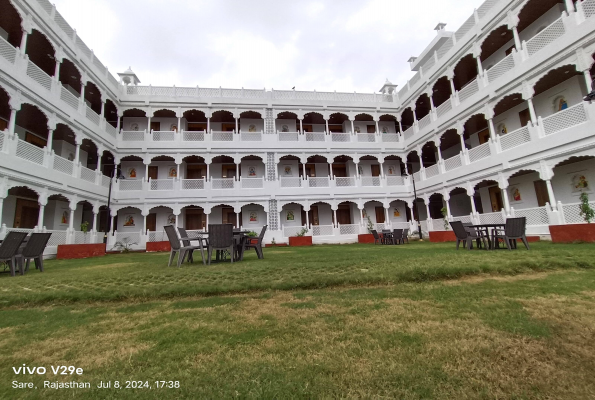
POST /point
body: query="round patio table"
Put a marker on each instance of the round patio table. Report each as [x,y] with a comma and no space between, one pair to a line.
[484,229]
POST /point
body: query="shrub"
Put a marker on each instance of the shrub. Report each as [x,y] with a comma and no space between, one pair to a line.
[124,245]
[585,208]
[302,232]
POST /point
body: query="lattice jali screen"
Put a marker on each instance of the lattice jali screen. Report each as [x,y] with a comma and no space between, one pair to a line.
[315,136]
[501,68]
[2,135]
[444,108]
[341,137]
[162,184]
[345,181]
[224,183]
[251,136]
[565,119]
[92,115]
[69,98]
[515,138]
[7,51]
[546,36]
[163,136]
[588,7]
[464,219]
[535,216]
[39,76]
[352,229]
[408,134]
[453,162]
[469,90]
[572,213]
[479,152]
[269,121]
[438,225]
[252,183]
[63,165]
[82,237]
[432,171]
[491,218]
[222,136]
[425,121]
[322,230]
[444,49]
[87,174]
[273,215]
[288,182]
[466,27]
[271,167]
[193,184]
[157,236]
[288,136]
[57,238]
[370,181]
[395,180]
[366,137]
[318,182]
[390,137]
[196,136]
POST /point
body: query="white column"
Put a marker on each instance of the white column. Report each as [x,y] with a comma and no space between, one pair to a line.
[304,171]
[428,216]
[588,80]
[506,201]
[532,112]
[362,216]
[237,126]
[1,206]
[356,170]
[147,172]
[112,227]
[308,219]
[144,224]
[335,218]
[492,129]
[57,70]
[452,86]
[382,169]
[50,140]
[24,43]
[237,171]
[448,213]
[479,66]
[463,147]
[118,123]
[301,126]
[148,124]
[209,125]
[207,221]
[208,173]
[326,122]
[12,121]
[71,221]
[517,40]
[102,109]
[352,128]
[179,124]
[40,217]
[386,215]
[95,221]
[77,152]
[177,220]
[473,205]
[377,128]
[550,192]
[178,171]
[237,220]
[400,128]
[331,170]
[439,153]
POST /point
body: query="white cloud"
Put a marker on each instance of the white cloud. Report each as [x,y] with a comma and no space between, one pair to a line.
[351,45]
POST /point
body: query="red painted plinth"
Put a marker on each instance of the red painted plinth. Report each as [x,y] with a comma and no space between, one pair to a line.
[158,246]
[365,238]
[71,251]
[442,236]
[573,233]
[276,245]
[300,241]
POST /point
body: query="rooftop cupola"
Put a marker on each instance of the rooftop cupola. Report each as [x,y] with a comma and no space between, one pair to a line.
[128,77]
[388,87]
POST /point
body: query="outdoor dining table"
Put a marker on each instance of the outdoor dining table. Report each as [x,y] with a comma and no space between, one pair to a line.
[485,229]
[240,237]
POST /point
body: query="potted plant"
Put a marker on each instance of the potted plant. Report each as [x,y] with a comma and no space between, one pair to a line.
[124,246]
[300,238]
[85,229]
[367,237]
[275,244]
[577,232]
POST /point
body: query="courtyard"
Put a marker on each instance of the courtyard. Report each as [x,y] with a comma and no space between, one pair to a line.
[411,321]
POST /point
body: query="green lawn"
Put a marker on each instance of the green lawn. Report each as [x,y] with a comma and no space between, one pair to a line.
[413,322]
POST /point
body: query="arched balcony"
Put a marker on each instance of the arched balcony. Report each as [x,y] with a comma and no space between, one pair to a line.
[394,170]
[253,217]
[195,173]
[93,98]
[42,55]
[423,108]
[4,110]
[441,96]
[497,52]
[32,127]
[489,201]
[407,121]
[344,171]
[252,172]
[465,77]
[224,172]
[161,173]
[340,127]
[476,134]
[314,127]
[251,126]
[194,124]
[70,78]
[11,23]
[348,218]
[21,208]
[414,165]
[223,126]
[429,159]
[134,172]
[287,126]
[293,218]
[317,171]
[225,214]
[369,170]
[290,171]
[460,205]
[451,148]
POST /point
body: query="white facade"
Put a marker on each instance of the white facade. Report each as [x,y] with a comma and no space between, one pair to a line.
[491,125]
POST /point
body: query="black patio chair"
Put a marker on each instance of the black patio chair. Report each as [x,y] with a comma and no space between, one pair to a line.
[397,236]
[405,237]
[377,238]
[186,242]
[515,229]
[9,250]
[256,243]
[466,235]
[221,239]
[176,246]
[33,250]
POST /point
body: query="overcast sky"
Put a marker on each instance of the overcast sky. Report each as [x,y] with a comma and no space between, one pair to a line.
[343,45]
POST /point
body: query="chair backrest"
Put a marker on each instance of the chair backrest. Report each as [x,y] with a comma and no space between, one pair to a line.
[264,229]
[221,236]
[467,223]
[174,241]
[386,231]
[405,233]
[515,227]
[183,234]
[10,244]
[397,233]
[375,234]
[459,230]
[36,244]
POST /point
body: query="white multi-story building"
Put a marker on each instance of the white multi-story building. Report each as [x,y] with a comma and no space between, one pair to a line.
[493,124]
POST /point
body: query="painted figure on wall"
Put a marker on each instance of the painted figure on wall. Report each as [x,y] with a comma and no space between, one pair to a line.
[580,183]
[287,171]
[252,128]
[174,128]
[562,104]
[134,127]
[384,129]
[252,171]
[64,219]
[253,216]
[396,213]
[358,129]
[173,172]
[502,129]
[290,215]
[516,194]
[171,219]
[129,220]
[285,128]
[132,172]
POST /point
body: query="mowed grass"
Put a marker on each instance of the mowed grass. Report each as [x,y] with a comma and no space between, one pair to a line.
[408,322]
[146,275]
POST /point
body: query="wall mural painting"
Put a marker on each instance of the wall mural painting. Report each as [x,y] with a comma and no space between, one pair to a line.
[252,128]
[173,172]
[515,194]
[287,170]
[392,170]
[285,128]
[252,171]
[384,129]
[290,215]
[560,103]
[580,183]
[65,218]
[129,220]
[396,213]
[171,219]
[132,172]
[253,217]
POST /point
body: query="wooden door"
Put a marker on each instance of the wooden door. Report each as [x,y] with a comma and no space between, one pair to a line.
[344,215]
[336,128]
[195,171]
[194,127]
[541,192]
[371,128]
[340,170]
[3,124]
[26,214]
[304,217]
[194,219]
[380,215]
[153,172]
[229,216]
[35,140]
[484,136]
[525,117]
[496,198]
[311,170]
[228,127]
[228,171]
[152,222]
[375,170]
[313,215]
[155,126]
[307,128]
[509,51]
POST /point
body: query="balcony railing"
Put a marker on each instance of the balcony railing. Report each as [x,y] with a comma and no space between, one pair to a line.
[223,183]
[193,136]
[469,90]
[130,185]
[349,229]
[88,174]
[38,75]
[479,152]
[545,37]
[318,182]
[92,115]
[425,121]
[370,180]
[315,136]
[432,171]
[163,136]
[344,181]
[288,136]
[366,137]
[502,67]
[453,162]
[7,51]
[290,182]
[219,136]
[133,136]
[323,230]
[29,152]
[395,180]
[69,98]
[444,108]
[161,184]
[340,137]
[565,119]
[290,231]
[251,136]
[514,138]
[193,184]
[390,137]
[252,183]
